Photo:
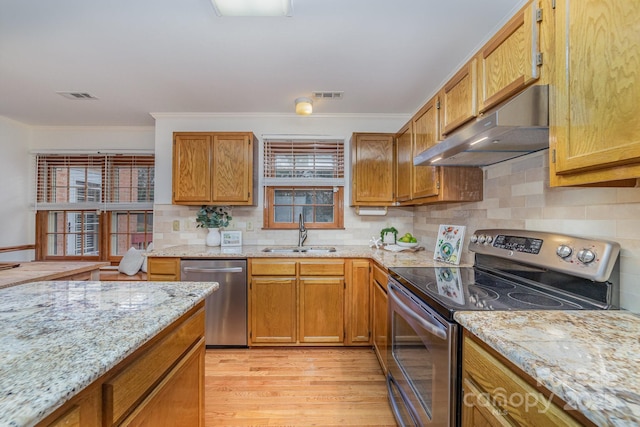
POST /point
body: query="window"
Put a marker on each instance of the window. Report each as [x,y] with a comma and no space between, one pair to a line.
[303,177]
[93,206]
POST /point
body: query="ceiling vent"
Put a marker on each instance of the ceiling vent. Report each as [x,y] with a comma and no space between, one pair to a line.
[328,94]
[77,95]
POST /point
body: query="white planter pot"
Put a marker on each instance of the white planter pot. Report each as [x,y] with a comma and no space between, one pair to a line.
[213,237]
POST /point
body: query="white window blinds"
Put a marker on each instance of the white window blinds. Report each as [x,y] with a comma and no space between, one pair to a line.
[303,162]
[94,182]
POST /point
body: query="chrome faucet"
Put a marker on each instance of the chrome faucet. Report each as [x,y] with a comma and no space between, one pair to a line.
[302,232]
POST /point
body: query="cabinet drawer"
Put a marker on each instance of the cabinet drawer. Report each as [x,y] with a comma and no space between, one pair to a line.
[177,397]
[322,268]
[380,276]
[273,268]
[168,268]
[123,391]
[506,390]
[71,418]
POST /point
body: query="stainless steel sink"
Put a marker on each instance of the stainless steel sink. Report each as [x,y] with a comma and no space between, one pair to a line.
[300,249]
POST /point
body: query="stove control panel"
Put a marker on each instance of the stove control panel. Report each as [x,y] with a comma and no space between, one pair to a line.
[583,257]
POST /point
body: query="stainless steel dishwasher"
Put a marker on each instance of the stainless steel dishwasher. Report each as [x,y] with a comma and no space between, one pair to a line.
[226,308]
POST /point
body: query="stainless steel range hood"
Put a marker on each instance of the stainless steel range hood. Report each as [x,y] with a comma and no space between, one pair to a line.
[519,126]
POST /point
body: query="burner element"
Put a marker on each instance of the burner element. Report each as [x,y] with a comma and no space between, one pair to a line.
[535,299]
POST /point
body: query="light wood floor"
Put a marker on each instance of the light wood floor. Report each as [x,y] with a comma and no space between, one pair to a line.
[295,387]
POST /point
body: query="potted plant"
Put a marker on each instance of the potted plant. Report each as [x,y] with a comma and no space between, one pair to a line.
[213,218]
[386,235]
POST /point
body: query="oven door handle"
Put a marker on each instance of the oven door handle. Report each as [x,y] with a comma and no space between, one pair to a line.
[434,329]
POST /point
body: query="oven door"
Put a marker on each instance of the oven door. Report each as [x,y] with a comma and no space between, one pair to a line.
[422,360]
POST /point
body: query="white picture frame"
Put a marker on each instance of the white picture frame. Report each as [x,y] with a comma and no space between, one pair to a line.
[231,238]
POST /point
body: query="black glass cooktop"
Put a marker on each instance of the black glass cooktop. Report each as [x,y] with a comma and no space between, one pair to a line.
[450,289]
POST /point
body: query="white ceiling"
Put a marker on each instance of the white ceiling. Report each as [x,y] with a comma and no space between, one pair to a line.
[151,56]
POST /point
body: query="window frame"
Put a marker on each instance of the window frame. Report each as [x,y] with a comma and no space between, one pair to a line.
[111,189]
[301,164]
[269,211]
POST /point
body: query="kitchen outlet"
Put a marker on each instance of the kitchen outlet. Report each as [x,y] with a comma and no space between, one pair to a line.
[249,226]
[176,225]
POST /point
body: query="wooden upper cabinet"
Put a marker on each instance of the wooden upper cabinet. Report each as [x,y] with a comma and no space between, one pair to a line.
[372,169]
[458,98]
[404,163]
[214,167]
[509,61]
[425,126]
[192,168]
[597,134]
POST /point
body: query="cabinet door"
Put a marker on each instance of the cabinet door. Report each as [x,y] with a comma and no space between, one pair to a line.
[178,399]
[425,135]
[379,323]
[273,310]
[321,310]
[508,61]
[404,164]
[359,286]
[459,98]
[191,168]
[597,137]
[372,169]
[232,166]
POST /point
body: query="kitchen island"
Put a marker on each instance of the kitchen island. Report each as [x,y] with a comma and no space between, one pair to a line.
[64,344]
[589,359]
[25,272]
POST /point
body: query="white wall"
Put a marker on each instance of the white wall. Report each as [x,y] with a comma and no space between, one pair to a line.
[16,219]
[260,124]
[17,176]
[92,138]
[358,230]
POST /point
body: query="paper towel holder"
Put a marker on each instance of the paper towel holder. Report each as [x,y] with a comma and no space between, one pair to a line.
[371,210]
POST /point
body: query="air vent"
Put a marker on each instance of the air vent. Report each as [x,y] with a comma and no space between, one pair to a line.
[328,94]
[77,95]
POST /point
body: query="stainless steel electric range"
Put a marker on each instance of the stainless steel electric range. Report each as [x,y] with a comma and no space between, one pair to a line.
[513,270]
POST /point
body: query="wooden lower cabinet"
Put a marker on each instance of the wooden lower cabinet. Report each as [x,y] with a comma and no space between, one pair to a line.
[321,310]
[177,397]
[163,269]
[496,395]
[358,307]
[161,384]
[379,314]
[309,301]
[273,310]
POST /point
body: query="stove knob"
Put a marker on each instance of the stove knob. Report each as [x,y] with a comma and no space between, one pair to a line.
[473,238]
[489,239]
[564,251]
[481,238]
[586,256]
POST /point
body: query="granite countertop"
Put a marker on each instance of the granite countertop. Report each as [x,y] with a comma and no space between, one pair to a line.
[423,258]
[590,359]
[56,338]
[45,270]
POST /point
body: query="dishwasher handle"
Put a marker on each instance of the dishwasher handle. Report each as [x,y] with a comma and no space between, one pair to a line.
[214,270]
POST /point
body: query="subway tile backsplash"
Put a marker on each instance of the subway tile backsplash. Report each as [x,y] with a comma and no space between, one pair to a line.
[516,195]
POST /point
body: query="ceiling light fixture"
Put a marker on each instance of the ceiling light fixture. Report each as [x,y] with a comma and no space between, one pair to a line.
[253,7]
[304,106]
